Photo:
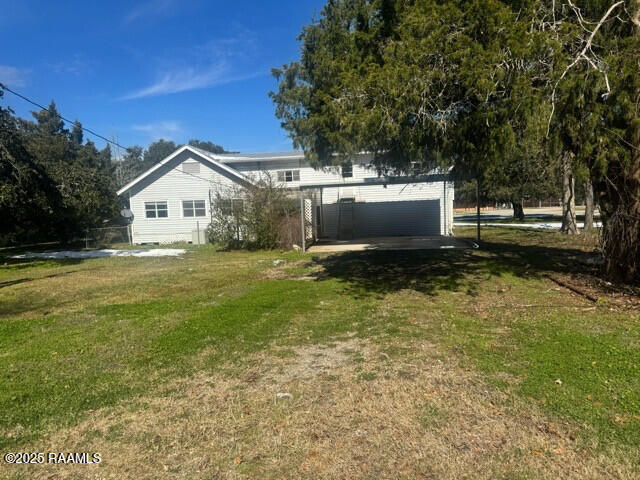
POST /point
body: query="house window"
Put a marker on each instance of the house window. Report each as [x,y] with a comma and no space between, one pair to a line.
[289,175]
[191,167]
[193,208]
[347,170]
[156,209]
[230,207]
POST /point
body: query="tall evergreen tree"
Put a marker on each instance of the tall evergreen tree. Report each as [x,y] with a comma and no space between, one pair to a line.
[206,145]
[157,151]
[29,199]
[76,135]
[49,121]
[429,80]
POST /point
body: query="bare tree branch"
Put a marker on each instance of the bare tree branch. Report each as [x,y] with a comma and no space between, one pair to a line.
[582,55]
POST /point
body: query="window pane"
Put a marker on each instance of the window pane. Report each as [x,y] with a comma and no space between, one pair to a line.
[187,208]
[296,175]
[201,212]
[281,176]
[238,205]
[347,170]
[162,213]
[225,207]
[198,204]
[150,210]
[288,175]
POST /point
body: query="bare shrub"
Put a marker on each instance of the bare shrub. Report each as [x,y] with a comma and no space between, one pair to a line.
[289,231]
[260,216]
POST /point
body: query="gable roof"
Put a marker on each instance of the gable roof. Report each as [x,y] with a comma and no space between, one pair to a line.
[204,155]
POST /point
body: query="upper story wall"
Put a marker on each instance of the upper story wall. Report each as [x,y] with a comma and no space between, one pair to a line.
[307,174]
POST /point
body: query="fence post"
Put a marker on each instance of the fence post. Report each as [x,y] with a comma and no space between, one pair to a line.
[198,228]
[129,234]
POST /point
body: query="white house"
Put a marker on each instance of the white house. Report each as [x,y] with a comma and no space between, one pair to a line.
[172,199]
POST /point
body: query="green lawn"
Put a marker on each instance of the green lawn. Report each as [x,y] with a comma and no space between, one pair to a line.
[80,337]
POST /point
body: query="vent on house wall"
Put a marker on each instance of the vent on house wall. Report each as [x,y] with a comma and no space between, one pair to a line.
[191,167]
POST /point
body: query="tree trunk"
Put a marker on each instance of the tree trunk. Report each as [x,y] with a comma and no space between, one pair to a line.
[518,210]
[568,196]
[588,205]
[621,215]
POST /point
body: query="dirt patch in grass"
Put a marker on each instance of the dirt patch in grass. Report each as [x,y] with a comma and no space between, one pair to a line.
[618,297]
[342,410]
[297,270]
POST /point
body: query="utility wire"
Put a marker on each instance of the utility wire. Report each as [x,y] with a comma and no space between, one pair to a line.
[4,87]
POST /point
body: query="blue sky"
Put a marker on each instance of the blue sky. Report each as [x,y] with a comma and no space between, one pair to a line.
[143,70]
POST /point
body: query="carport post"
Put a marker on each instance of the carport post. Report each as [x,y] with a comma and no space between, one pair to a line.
[302,233]
[478,209]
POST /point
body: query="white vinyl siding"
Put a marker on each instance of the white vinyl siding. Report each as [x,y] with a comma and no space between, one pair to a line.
[173,186]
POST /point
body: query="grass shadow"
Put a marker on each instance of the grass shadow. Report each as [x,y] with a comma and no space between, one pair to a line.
[428,271]
[18,281]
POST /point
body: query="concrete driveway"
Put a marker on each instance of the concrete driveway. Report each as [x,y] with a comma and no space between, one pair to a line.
[390,243]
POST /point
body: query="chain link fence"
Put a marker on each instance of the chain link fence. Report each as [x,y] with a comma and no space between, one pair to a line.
[108,237]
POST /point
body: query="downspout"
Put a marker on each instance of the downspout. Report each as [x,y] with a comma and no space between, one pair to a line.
[130,226]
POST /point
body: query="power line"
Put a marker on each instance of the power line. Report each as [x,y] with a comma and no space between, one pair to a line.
[4,87]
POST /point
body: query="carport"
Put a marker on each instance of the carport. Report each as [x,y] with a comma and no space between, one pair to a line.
[350,224]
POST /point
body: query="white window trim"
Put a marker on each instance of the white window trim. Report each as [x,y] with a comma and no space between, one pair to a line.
[234,199]
[284,175]
[206,208]
[144,205]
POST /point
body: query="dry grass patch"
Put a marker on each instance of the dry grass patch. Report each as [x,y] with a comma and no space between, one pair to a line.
[354,412]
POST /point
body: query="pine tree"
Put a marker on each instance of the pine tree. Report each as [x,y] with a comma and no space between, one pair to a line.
[76,135]
[49,121]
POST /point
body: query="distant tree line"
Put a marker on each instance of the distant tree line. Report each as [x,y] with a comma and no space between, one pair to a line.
[54,185]
[137,160]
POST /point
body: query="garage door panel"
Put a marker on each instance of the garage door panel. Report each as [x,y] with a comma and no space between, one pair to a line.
[381,219]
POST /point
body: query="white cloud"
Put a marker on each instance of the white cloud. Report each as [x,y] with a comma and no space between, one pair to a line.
[219,61]
[76,65]
[146,10]
[157,130]
[12,76]
[181,80]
